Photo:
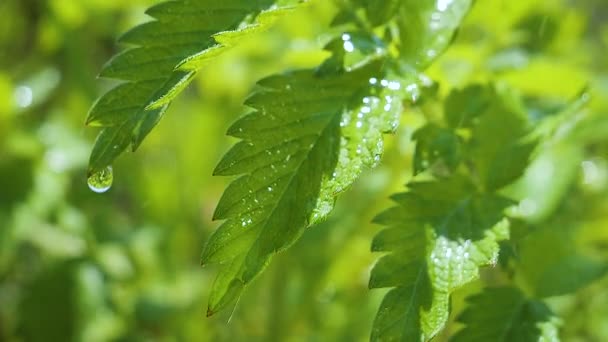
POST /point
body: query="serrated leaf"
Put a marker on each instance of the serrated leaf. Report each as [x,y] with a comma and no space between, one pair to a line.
[503,315]
[498,141]
[499,147]
[309,137]
[169,50]
[437,236]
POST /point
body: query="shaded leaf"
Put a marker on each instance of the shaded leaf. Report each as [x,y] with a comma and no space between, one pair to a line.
[437,148]
[505,314]
[500,142]
[559,267]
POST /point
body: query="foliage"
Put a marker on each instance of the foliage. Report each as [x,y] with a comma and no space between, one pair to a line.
[492,113]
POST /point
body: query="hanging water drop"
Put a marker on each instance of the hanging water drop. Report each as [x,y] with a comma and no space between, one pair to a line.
[101,181]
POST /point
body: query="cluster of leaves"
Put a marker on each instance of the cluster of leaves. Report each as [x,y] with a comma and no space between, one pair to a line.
[311,133]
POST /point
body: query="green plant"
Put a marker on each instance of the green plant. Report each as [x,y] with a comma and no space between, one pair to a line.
[312,132]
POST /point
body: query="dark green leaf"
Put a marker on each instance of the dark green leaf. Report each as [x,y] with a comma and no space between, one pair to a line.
[309,137]
[438,149]
[505,315]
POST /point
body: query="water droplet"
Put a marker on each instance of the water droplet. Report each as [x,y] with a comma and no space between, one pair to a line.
[269,189]
[24,96]
[348,44]
[394,85]
[101,181]
[442,5]
[527,207]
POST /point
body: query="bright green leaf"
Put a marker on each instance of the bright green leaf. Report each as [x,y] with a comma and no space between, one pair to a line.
[437,236]
[169,50]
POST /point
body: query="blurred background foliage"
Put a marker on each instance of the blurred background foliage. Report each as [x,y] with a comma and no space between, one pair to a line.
[76,265]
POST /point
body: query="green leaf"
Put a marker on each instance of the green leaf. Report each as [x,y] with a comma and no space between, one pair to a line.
[559,266]
[462,106]
[169,50]
[311,134]
[487,126]
[437,236]
[379,12]
[426,28]
[499,147]
[437,148]
[505,314]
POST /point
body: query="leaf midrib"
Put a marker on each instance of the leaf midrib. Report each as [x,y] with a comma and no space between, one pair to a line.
[291,179]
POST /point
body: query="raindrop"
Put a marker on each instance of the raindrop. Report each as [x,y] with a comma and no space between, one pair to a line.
[24,96]
[394,85]
[442,5]
[348,44]
[101,181]
[527,207]
[269,189]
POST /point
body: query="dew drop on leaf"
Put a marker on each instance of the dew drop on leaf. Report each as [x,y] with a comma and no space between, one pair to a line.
[101,181]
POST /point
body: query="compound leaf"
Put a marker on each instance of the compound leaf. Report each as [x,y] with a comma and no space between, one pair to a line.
[169,50]
[309,136]
[437,237]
